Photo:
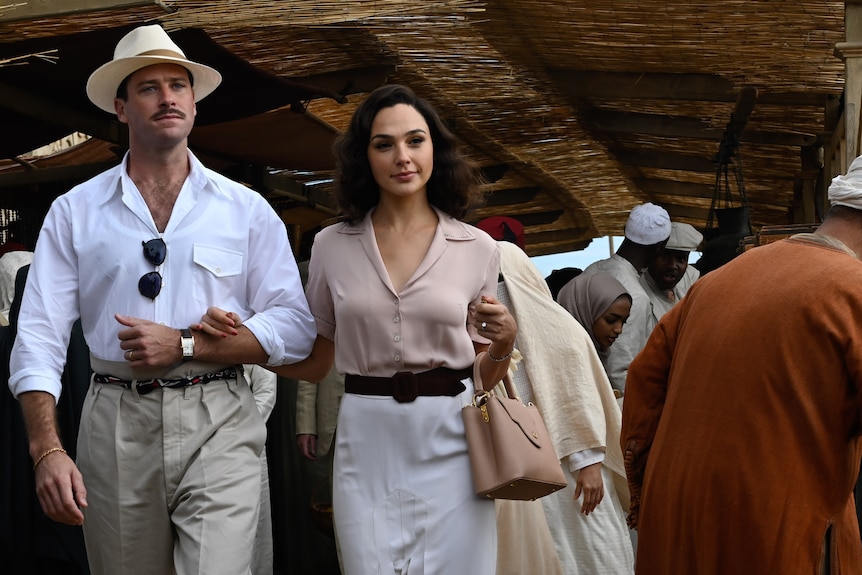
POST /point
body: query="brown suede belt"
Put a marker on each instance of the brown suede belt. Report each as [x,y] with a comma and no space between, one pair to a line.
[406,386]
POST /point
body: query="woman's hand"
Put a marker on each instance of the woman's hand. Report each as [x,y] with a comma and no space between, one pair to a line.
[493,321]
[591,486]
[219,322]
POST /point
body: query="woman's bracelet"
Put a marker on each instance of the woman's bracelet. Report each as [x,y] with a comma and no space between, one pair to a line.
[54,450]
[499,359]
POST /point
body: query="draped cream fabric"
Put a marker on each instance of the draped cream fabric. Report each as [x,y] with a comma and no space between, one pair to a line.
[524,542]
[570,386]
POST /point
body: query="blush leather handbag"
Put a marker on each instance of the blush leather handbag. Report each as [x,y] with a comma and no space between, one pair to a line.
[511,454]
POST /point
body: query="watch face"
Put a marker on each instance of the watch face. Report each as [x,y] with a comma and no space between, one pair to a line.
[188,347]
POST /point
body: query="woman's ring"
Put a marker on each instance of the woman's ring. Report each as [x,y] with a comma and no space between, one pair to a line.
[483,325]
[130,354]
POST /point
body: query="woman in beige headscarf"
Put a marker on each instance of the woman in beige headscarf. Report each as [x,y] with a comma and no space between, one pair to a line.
[562,374]
[601,304]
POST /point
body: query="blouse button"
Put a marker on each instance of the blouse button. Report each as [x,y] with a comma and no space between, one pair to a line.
[397,338]
[396,319]
[218,269]
[397,357]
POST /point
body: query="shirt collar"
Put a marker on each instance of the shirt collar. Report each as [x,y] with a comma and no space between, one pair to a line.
[121,182]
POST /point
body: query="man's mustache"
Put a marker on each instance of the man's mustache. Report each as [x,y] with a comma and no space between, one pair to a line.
[169,112]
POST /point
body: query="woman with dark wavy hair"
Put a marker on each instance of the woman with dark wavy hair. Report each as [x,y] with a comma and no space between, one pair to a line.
[403,286]
[404,294]
[452,186]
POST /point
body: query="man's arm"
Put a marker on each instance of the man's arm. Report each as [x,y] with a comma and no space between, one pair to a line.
[219,324]
[156,345]
[280,317]
[306,418]
[59,484]
[644,402]
[306,407]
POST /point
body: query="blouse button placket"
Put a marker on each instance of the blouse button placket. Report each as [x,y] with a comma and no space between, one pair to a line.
[396,336]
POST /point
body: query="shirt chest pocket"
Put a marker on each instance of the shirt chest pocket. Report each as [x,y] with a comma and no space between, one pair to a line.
[217,272]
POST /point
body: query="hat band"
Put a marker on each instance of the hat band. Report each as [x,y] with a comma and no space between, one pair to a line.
[167,53]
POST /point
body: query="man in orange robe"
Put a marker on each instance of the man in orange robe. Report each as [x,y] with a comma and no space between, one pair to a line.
[741,424]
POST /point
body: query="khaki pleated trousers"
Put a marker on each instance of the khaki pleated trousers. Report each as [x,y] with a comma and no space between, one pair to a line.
[172,477]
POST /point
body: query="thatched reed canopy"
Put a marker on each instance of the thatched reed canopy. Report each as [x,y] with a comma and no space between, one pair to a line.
[577,110]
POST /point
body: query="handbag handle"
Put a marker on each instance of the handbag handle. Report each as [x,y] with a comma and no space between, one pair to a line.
[480,386]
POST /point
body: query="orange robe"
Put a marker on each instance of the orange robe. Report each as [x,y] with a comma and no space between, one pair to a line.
[741,419]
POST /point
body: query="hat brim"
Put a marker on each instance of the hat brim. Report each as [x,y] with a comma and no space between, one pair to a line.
[680,248]
[103,83]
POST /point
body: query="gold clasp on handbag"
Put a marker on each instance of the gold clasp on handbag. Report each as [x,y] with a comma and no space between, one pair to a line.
[480,400]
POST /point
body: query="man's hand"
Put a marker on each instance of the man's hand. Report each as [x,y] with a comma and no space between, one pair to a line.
[60,489]
[149,344]
[59,484]
[590,484]
[307,445]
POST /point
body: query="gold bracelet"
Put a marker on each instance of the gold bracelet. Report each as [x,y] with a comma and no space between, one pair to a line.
[46,454]
[499,359]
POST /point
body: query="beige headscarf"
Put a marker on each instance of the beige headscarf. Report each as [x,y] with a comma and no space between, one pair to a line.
[587,298]
[569,384]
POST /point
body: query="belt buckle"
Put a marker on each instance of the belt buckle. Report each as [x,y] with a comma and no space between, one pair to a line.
[405,387]
[147,386]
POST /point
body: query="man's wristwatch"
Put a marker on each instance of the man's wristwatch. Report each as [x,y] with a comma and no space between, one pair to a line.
[187,342]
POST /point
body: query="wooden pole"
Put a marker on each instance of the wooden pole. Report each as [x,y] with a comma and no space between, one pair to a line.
[851,52]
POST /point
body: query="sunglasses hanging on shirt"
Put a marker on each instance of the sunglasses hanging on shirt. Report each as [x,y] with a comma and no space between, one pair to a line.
[150,284]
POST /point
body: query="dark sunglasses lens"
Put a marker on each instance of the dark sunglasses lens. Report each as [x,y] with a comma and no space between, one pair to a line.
[150,284]
[155,251]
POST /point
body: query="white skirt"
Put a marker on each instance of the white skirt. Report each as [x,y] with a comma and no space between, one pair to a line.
[403,499]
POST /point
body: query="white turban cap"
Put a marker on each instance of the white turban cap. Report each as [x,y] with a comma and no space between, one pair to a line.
[648,224]
[683,238]
[847,190]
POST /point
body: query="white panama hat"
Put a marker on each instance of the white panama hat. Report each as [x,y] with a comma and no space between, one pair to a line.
[142,47]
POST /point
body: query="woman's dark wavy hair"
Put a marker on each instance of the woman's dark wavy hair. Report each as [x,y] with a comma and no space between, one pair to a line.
[454,182]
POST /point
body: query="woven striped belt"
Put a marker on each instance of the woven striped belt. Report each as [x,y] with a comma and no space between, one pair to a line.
[145,386]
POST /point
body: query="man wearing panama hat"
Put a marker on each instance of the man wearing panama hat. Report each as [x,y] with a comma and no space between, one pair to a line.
[668,277]
[168,467]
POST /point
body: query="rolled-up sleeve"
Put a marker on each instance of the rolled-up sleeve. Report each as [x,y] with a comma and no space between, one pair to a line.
[47,311]
[282,321]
